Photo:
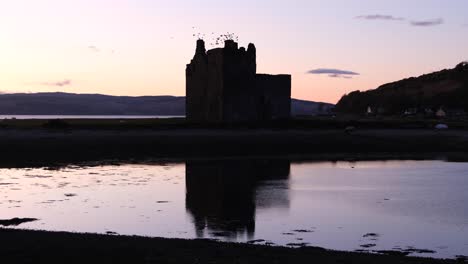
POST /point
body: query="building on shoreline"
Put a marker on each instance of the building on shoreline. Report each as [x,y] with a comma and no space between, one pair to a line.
[222,86]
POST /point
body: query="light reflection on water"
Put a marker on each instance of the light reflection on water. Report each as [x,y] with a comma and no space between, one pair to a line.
[420,204]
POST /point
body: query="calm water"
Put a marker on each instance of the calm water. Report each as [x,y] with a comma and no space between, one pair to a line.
[343,205]
[83,116]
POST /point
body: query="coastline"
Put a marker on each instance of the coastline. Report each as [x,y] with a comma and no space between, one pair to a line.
[23,246]
[51,146]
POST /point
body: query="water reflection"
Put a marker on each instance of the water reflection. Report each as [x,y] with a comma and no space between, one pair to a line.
[415,207]
[223,196]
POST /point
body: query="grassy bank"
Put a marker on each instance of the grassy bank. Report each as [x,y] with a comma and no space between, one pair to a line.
[47,141]
[46,146]
[180,123]
[20,246]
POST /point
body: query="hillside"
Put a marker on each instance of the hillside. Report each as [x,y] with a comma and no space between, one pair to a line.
[446,88]
[302,107]
[96,104]
[89,104]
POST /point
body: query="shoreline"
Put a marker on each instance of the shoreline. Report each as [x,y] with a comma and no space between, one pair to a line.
[323,157]
[22,246]
[46,146]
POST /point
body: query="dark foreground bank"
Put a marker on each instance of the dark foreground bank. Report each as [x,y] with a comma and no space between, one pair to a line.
[19,246]
[49,146]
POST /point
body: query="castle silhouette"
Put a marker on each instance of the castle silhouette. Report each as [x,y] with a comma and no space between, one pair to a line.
[222,86]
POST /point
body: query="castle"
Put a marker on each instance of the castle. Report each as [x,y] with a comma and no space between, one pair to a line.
[222,86]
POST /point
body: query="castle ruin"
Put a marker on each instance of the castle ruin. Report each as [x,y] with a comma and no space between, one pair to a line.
[222,86]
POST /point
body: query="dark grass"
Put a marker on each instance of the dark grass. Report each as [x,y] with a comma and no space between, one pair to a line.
[305,122]
[19,246]
[74,140]
[46,146]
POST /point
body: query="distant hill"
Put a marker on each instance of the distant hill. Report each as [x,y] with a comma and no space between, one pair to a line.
[97,104]
[446,88]
[301,107]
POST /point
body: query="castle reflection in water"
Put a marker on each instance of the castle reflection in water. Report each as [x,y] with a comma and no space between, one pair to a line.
[223,196]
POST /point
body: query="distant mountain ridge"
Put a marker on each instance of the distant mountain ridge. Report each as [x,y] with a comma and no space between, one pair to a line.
[98,104]
[447,88]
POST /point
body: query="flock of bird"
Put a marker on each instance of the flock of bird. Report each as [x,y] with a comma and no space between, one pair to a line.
[216,40]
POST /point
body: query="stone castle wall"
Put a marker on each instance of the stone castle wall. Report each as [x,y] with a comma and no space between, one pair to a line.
[222,86]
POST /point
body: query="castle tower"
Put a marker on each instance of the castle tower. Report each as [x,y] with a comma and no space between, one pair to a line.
[222,86]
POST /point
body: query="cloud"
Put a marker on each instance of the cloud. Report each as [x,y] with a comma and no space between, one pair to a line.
[94,49]
[416,23]
[340,76]
[334,73]
[427,23]
[380,17]
[58,84]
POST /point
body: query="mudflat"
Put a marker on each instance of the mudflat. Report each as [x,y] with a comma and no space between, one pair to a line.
[20,246]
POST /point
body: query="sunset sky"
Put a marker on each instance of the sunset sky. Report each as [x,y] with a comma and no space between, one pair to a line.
[141,47]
